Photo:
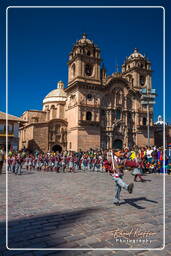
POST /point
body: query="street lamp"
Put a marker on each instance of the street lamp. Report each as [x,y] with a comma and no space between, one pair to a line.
[148,99]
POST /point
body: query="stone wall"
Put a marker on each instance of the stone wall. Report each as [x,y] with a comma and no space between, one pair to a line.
[40,137]
[89,138]
[142,139]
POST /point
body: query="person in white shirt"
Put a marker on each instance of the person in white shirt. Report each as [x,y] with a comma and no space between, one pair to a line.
[149,154]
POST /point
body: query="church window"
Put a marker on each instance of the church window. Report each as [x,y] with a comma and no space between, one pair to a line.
[53,112]
[70,145]
[88,116]
[10,128]
[144,121]
[57,128]
[89,96]
[119,97]
[88,70]
[2,128]
[88,53]
[103,112]
[118,114]
[142,80]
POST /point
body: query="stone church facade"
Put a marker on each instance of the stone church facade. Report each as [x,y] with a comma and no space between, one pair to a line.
[95,110]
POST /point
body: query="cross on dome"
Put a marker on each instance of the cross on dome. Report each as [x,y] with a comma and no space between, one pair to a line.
[84,35]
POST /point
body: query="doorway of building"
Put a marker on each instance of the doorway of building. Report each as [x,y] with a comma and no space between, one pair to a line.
[57,148]
[117,144]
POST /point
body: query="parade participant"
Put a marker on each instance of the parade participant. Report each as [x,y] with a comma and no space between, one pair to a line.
[107,166]
[84,164]
[117,177]
[46,162]
[63,163]
[94,160]
[71,163]
[76,162]
[154,155]
[89,162]
[97,166]
[18,165]
[142,153]
[51,162]
[57,163]
[137,172]
[34,160]
[149,154]
[28,161]
[100,163]
[2,158]
[13,163]
[40,162]
[9,161]
[168,157]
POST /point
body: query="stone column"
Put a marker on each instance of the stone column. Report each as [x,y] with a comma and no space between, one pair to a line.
[110,117]
[78,68]
[148,82]
[79,115]
[108,124]
[110,140]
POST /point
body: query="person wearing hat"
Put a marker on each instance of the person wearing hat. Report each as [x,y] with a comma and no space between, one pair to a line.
[117,177]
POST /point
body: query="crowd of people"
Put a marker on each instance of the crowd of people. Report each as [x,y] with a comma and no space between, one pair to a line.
[139,160]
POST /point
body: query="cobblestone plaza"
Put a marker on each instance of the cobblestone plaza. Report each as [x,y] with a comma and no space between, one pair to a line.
[75,210]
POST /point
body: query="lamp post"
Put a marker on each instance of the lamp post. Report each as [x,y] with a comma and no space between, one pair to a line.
[148,99]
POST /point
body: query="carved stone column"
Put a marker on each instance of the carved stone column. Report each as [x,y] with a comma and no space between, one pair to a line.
[110,140]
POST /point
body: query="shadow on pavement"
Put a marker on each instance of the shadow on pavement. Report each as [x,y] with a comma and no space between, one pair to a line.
[132,202]
[48,231]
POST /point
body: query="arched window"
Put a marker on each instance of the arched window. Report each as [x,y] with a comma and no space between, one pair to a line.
[53,112]
[88,116]
[88,69]
[144,121]
[89,96]
[118,114]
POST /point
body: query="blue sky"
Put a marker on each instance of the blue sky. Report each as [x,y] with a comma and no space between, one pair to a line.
[41,39]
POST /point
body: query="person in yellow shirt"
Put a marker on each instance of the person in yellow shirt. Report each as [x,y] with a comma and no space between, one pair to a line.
[133,155]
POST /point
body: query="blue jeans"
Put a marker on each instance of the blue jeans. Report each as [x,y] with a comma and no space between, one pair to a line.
[18,169]
[119,185]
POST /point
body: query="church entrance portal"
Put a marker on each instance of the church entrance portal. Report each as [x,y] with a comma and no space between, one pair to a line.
[117,144]
[56,148]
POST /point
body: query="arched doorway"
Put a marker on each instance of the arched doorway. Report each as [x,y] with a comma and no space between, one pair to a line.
[57,148]
[117,144]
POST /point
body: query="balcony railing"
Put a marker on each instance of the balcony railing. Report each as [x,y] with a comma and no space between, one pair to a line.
[3,134]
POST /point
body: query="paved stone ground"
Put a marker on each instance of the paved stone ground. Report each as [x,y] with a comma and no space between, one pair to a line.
[75,210]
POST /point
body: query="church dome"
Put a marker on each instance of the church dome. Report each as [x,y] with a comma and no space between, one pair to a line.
[56,94]
[85,40]
[135,54]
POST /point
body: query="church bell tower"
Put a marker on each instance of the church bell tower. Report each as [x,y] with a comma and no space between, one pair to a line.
[84,62]
[83,104]
[137,69]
